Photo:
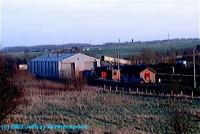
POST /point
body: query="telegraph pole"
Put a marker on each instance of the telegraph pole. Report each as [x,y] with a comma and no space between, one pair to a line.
[1,47]
[168,37]
[118,55]
[118,60]
[118,67]
[195,85]
[90,41]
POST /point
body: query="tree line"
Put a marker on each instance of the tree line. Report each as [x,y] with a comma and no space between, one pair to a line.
[149,56]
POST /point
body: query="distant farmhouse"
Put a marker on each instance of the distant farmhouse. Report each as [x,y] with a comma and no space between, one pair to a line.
[62,65]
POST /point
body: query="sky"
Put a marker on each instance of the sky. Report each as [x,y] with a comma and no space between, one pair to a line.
[36,22]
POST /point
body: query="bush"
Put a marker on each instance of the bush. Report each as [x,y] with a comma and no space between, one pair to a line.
[179,118]
[10,92]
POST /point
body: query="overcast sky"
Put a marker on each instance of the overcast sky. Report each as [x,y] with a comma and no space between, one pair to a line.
[34,22]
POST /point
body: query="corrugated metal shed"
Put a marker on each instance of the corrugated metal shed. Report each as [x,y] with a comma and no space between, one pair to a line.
[61,65]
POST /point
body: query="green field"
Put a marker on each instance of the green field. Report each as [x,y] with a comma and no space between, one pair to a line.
[125,50]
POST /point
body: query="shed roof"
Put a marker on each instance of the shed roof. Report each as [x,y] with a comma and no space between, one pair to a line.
[53,57]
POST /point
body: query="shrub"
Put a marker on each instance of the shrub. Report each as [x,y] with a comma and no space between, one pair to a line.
[179,118]
[10,92]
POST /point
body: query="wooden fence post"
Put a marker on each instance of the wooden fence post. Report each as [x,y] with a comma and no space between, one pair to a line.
[192,94]
[129,90]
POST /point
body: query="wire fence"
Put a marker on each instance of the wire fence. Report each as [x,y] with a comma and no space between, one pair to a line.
[151,89]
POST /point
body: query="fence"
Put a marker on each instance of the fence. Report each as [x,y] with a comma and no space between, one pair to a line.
[146,92]
[146,89]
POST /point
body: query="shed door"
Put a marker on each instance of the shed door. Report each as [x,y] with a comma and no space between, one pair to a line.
[72,70]
[66,70]
[147,76]
[103,75]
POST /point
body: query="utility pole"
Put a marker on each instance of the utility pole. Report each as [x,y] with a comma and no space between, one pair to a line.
[168,38]
[194,65]
[118,55]
[1,47]
[118,60]
[119,43]
[172,77]
[173,69]
[90,41]
[118,72]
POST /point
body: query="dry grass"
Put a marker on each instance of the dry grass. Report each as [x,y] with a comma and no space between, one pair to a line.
[103,112]
[36,109]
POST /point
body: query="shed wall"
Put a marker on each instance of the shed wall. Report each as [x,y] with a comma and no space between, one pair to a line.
[152,75]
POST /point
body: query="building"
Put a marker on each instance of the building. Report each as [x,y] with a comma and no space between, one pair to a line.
[148,75]
[116,74]
[62,65]
[181,62]
[115,60]
[23,67]
[137,74]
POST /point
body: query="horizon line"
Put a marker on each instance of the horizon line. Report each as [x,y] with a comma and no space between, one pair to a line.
[95,44]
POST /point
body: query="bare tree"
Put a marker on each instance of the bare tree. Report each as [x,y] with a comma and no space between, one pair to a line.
[148,56]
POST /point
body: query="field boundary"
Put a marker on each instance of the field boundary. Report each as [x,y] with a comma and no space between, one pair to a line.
[138,91]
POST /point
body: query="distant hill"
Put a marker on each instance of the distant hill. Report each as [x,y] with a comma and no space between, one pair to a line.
[127,46]
[40,48]
[154,42]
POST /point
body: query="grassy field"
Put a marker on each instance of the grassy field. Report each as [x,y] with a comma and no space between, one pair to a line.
[102,112]
[126,50]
